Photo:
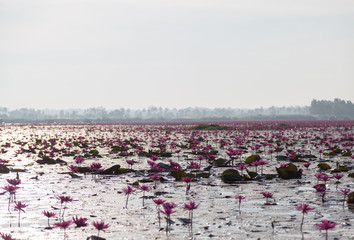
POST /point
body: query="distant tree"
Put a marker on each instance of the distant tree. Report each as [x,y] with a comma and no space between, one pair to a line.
[337,107]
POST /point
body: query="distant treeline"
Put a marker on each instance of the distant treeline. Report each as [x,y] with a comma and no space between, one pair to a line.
[337,108]
[321,109]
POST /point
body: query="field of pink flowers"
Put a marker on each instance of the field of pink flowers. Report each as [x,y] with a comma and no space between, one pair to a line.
[177,180]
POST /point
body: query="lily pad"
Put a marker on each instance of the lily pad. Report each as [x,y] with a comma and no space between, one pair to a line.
[324,166]
[251,159]
[178,175]
[289,172]
[4,169]
[231,176]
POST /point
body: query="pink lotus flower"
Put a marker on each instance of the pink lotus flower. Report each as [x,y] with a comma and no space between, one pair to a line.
[304,208]
[65,200]
[63,225]
[10,188]
[73,168]
[267,195]
[168,210]
[80,222]
[144,188]
[130,163]
[128,190]
[240,198]
[188,181]
[79,160]
[6,236]
[190,207]
[14,181]
[307,165]
[338,176]
[155,177]
[48,215]
[284,165]
[100,226]
[324,177]
[159,202]
[241,167]
[325,225]
[321,189]
[19,207]
[345,192]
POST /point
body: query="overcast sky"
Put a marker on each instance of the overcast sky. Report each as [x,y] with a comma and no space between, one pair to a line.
[175,53]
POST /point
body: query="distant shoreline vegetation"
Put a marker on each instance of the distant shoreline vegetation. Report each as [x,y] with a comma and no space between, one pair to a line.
[319,109]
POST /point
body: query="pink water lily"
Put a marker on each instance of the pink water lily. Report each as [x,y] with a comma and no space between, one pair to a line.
[80,222]
[267,195]
[240,198]
[19,206]
[128,190]
[326,225]
[190,207]
[304,208]
[48,215]
[100,226]
[168,210]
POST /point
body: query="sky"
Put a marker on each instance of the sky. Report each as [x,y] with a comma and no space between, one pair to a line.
[62,54]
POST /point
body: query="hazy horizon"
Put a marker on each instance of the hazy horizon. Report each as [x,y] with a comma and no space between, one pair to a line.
[135,54]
